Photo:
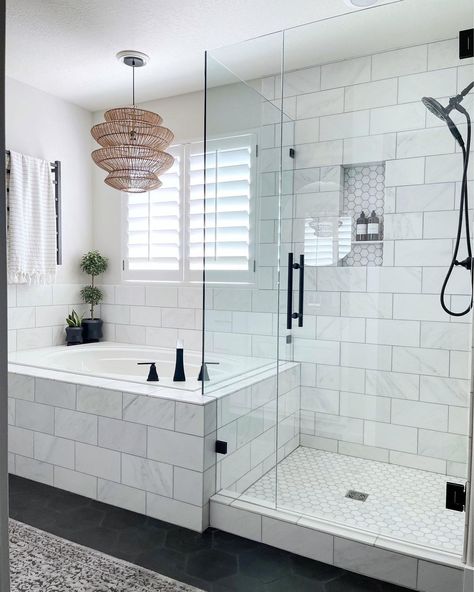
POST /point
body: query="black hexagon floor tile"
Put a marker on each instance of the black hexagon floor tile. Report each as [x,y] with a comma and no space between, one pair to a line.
[212,564]
[214,561]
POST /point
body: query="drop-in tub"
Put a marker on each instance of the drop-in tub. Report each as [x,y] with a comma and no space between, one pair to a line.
[115,361]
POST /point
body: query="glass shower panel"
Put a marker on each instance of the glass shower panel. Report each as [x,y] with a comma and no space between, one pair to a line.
[241,209]
[376,182]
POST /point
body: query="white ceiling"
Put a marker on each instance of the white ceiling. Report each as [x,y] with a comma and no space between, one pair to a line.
[68,47]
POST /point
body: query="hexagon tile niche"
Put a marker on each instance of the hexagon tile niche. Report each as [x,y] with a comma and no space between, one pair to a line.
[364,190]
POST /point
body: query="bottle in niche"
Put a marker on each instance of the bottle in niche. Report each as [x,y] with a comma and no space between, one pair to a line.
[373,227]
[361,227]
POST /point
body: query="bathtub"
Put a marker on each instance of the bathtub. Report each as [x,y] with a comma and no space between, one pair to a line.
[115,361]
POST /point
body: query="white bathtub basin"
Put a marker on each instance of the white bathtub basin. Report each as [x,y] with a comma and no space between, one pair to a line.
[118,361]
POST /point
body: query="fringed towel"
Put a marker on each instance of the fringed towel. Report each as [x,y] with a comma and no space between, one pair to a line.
[31,221]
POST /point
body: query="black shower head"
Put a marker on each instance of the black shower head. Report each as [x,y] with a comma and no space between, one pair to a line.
[436,108]
[443,113]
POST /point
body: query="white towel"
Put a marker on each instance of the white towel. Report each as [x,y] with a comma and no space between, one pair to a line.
[31,221]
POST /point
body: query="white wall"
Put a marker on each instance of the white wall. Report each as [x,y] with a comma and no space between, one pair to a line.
[44,126]
[184,116]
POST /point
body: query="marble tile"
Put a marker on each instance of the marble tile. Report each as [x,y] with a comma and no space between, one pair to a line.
[121,496]
[20,441]
[340,428]
[175,448]
[34,416]
[429,84]
[236,521]
[176,512]
[365,407]
[421,361]
[99,462]
[55,393]
[369,149]
[376,563]
[99,401]
[420,415]
[390,436]
[188,486]
[346,72]
[123,436]
[340,378]
[296,539]
[449,391]
[374,357]
[397,118]
[393,332]
[56,451]
[399,62]
[320,103]
[392,384]
[75,482]
[433,577]
[34,470]
[442,445]
[75,425]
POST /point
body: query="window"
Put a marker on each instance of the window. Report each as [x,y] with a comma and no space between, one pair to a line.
[164,229]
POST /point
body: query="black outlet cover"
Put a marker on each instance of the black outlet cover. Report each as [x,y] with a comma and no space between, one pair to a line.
[466,44]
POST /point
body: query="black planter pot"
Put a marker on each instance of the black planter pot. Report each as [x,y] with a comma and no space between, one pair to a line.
[92,330]
[74,335]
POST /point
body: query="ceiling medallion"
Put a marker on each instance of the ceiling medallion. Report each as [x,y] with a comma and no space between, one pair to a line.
[133,141]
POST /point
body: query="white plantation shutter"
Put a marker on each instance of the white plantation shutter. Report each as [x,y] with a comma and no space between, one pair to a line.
[327,240]
[228,208]
[153,227]
[164,229]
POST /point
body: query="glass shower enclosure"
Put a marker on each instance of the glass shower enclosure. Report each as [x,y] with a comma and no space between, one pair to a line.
[330,211]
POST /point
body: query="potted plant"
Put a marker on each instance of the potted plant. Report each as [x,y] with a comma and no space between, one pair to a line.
[73,329]
[93,263]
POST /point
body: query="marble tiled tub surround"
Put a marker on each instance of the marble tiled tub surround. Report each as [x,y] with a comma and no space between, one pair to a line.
[146,448]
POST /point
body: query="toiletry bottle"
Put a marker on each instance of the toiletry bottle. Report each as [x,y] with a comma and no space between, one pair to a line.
[179,375]
[373,227]
[361,228]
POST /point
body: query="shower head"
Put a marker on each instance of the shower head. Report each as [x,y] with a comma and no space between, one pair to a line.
[436,108]
[442,113]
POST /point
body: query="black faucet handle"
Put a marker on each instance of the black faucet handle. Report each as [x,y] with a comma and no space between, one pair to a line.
[152,374]
[203,373]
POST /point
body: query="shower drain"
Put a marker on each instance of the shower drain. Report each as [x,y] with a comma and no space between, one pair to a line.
[357,495]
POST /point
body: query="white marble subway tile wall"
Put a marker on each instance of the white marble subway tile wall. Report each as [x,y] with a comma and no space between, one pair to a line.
[396,387]
[37,314]
[385,372]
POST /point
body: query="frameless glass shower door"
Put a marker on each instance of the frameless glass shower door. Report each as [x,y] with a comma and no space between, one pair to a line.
[243,186]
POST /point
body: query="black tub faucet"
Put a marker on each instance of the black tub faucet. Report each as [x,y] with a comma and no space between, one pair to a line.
[203,373]
[152,374]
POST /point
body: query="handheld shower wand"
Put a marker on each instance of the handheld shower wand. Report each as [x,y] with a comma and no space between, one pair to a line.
[443,113]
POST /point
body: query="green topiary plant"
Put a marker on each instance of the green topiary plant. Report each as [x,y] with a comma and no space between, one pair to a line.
[74,320]
[93,263]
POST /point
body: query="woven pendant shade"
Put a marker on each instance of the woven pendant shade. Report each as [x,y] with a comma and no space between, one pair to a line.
[133,181]
[133,143]
[133,114]
[120,132]
[132,158]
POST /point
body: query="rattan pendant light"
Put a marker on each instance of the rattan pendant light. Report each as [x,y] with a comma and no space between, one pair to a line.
[133,141]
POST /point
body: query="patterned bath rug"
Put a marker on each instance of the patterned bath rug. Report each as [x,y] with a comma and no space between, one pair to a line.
[42,562]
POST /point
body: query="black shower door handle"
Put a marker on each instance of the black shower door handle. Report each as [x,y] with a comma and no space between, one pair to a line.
[290,315]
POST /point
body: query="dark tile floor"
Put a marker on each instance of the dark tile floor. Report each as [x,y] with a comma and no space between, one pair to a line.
[214,561]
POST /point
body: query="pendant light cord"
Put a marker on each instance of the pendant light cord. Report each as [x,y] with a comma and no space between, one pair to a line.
[133,83]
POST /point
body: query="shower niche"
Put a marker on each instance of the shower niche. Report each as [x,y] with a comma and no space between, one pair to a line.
[364,191]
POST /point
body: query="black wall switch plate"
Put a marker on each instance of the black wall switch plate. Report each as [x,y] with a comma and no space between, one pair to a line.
[466,44]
